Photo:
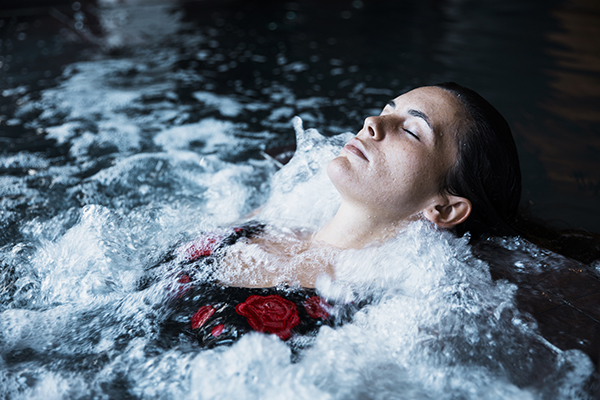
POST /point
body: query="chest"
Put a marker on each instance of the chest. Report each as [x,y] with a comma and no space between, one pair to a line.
[269,262]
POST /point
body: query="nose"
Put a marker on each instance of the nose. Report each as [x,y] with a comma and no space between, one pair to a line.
[374,128]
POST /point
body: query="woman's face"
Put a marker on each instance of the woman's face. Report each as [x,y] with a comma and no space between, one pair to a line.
[394,165]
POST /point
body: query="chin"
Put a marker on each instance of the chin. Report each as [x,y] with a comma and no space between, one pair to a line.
[342,175]
[338,169]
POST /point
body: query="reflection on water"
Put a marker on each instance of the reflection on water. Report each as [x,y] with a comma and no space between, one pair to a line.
[126,126]
[575,81]
[564,137]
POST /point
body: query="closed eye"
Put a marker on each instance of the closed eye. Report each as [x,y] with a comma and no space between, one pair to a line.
[412,134]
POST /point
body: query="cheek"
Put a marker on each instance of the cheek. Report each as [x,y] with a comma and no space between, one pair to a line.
[405,168]
[416,174]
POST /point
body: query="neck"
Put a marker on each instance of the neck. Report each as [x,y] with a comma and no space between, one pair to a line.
[353,227]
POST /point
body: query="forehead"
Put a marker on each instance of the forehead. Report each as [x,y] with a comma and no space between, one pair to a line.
[443,110]
[435,102]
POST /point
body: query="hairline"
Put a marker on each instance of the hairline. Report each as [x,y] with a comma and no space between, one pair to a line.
[460,134]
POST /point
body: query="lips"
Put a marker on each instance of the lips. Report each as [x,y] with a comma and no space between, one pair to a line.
[356,147]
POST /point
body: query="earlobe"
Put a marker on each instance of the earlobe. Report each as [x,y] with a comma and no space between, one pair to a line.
[450,212]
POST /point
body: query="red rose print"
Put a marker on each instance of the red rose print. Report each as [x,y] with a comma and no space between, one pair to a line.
[201,316]
[270,314]
[217,330]
[202,247]
[181,286]
[316,307]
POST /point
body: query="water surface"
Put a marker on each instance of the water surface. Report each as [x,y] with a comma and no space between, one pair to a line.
[126,127]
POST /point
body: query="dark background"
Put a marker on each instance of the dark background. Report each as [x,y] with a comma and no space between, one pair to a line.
[538,62]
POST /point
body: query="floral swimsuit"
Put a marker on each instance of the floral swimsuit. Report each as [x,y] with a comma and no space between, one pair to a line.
[214,315]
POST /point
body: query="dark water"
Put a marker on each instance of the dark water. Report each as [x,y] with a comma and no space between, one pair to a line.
[127,125]
[537,61]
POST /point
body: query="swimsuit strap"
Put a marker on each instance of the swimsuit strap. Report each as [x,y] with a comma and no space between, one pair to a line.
[205,245]
[201,250]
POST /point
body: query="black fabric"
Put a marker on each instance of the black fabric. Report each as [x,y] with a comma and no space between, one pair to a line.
[224,301]
[208,314]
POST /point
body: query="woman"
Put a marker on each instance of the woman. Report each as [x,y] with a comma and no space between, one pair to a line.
[440,153]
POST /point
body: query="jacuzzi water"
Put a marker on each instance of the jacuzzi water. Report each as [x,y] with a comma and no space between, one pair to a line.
[149,153]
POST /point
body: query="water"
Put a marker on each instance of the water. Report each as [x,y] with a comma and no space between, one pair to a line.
[129,128]
[75,325]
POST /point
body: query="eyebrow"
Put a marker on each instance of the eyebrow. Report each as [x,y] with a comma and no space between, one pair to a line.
[422,115]
[414,113]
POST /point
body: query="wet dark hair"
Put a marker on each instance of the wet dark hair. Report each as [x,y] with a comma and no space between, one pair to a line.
[487,170]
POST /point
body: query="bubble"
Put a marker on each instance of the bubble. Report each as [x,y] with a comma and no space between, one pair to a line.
[154,160]
[357,4]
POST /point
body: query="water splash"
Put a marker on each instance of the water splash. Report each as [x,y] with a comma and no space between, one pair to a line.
[150,162]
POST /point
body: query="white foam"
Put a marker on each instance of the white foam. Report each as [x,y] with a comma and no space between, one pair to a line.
[212,133]
[80,267]
[62,133]
[23,160]
[135,22]
[226,106]
[13,186]
[303,183]
[438,327]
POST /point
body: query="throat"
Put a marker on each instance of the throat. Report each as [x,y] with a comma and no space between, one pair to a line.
[354,229]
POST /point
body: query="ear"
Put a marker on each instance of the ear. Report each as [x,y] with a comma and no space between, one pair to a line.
[448,211]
